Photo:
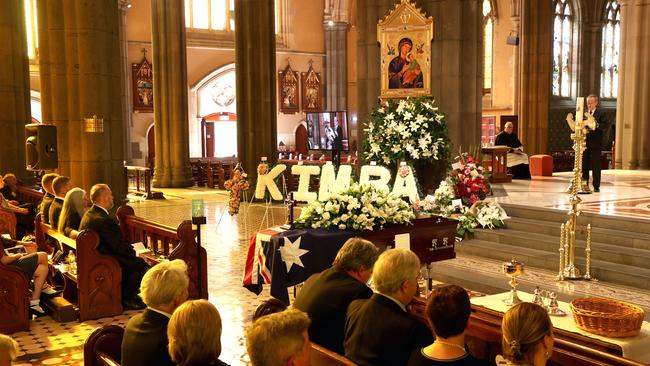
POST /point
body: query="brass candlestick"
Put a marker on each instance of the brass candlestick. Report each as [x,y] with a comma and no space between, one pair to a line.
[568,269]
[560,275]
[587,275]
[513,269]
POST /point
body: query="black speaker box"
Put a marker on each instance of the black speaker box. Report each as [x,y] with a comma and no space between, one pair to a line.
[40,147]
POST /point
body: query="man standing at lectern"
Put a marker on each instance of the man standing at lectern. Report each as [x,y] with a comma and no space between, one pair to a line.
[591,156]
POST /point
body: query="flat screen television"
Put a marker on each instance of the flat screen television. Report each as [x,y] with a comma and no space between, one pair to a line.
[322,127]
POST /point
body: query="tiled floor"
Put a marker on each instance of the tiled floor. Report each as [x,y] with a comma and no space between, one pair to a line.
[226,240]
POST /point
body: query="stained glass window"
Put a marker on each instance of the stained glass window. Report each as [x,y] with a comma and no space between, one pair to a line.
[488,24]
[610,50]
[562,72]
[216,15]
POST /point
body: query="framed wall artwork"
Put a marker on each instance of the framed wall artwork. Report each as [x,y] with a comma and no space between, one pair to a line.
[311,90]
[289,90]
[142,85]
[405,36]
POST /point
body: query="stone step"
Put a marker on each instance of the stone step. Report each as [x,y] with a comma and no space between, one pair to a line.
[600,251]
[632,225]
[609,236]
[602,270]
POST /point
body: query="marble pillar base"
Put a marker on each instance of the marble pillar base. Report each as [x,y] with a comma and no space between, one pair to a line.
[170,177]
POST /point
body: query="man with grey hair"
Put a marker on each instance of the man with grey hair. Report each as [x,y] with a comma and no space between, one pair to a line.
[325,296]
[111,243]
[279,339]
[591,155]
[379,331]
[164,288]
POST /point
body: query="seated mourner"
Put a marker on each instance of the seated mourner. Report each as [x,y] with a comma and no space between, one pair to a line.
[325,296]
[517,159]
[111,243]
[448,310]
[379,331]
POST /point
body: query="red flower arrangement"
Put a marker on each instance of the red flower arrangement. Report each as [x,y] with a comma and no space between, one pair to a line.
[470,179]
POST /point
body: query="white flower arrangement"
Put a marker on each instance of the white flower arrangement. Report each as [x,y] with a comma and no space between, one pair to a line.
[490,215]
[360,207]
[407,130]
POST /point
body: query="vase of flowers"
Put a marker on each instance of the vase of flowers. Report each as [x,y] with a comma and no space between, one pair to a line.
[469,178]
[412,131]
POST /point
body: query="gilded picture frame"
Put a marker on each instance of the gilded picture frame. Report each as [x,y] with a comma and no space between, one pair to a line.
[142,86]
[289,90]
[312,94]
[405,36]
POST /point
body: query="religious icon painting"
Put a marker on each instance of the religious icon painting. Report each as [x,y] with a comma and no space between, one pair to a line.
[288,85]
[405,36]
[311,90]
[142,85]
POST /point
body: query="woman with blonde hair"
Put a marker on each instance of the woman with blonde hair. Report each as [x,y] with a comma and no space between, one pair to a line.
[194,333]
[527,336]
[75,204]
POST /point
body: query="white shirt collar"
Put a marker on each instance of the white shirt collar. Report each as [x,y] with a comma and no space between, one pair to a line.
[168,315]
[402,306]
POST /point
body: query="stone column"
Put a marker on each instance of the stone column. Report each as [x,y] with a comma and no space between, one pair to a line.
[336,81]
[172,166]
[125,67]
[256,84]
[80,77]
[535,75]
[632,107]
[515,18]
[14,88]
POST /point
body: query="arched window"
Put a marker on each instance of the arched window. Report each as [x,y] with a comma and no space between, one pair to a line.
[610,50]
[488,26]
[562,42]
[31,29]
[217,15]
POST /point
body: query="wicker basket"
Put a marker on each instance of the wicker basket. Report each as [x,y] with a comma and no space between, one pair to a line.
[607,317]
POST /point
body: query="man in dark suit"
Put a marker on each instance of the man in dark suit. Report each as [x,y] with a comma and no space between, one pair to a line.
[46,183]
[337,146]
[379,331]
[591,156]
[163,289]
[111,243]
[61,186]
[325,296]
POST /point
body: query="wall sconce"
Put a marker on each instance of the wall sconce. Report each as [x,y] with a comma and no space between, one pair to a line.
[94,124]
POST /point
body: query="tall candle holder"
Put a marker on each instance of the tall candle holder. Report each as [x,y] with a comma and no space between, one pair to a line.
[568,269]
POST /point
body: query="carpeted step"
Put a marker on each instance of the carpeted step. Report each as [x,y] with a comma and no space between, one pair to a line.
[604,271]
[600,251]
[629,224]
[621,238]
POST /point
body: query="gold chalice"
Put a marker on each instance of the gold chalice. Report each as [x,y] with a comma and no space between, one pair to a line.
[513,269]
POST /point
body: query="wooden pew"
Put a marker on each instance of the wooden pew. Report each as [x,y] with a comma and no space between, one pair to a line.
[483,337]
[7,223]
[167,242]
[14,299]
[321,356]
[33,195]
[104,346]
[96,287]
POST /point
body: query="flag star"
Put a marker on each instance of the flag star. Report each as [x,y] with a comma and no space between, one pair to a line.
[291,253]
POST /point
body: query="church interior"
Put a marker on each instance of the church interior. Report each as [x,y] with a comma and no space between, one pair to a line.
[166,100]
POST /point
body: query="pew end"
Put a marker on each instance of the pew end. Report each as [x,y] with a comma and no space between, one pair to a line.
[104,346]
[14,300]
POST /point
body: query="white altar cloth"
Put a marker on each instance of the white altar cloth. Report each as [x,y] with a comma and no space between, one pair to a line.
[635,348]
